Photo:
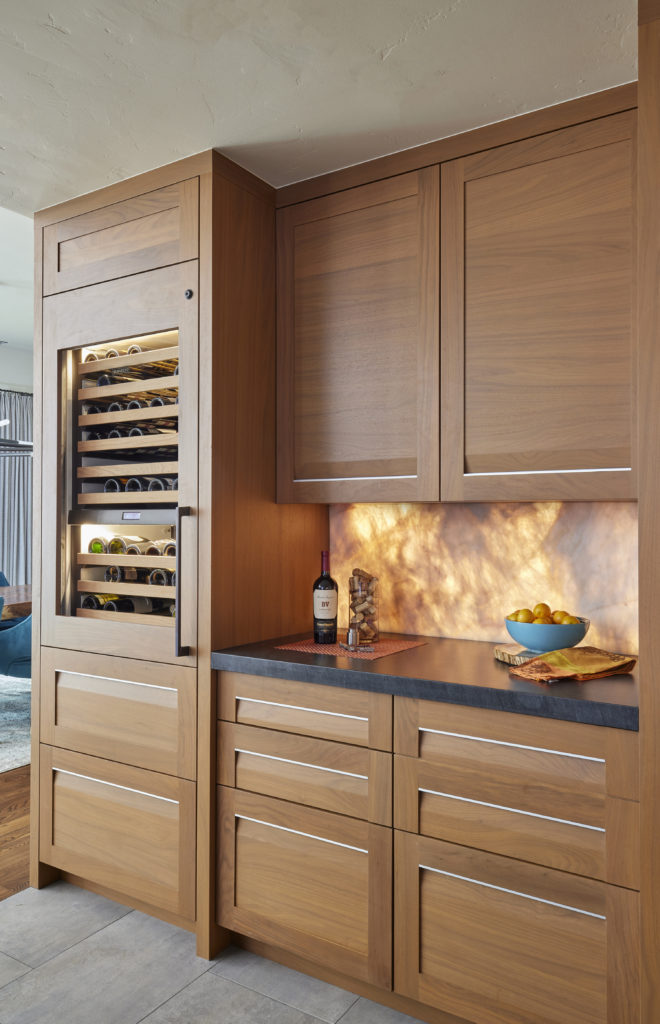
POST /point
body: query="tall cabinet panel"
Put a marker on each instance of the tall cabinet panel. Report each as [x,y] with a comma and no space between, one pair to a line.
[536,325]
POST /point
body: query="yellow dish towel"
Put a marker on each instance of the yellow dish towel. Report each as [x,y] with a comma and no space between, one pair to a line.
[578,664]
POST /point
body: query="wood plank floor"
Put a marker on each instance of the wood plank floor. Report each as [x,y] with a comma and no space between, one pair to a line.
[14,830]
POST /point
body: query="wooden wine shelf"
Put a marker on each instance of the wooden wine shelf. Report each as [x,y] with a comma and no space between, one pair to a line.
[132,498]
[130,589]
[129,469]
[137,561]
[110,444]
[155,355]
[135,617]
[156,412]
[131,387]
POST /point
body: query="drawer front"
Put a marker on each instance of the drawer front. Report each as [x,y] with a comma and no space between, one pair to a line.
[314,883]
[493,940]
[562,769]
[327,712]
[134,712]
[426,801]
[148,231]
[318,773]
[130,830]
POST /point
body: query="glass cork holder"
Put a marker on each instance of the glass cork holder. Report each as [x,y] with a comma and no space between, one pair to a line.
[363,607]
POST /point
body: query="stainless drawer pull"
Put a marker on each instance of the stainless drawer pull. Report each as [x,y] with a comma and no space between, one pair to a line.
[112,679]
[301,764]
[295,832]
[513,810]
[115,785]
[518,746]
[513,892]
[296,707]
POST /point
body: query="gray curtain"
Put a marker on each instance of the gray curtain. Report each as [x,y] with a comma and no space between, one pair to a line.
[16,490]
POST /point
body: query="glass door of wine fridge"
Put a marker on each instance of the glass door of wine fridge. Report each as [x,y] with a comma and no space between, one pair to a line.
[119,478]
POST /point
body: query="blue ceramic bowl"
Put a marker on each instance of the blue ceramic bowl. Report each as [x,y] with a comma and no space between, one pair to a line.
[541,638]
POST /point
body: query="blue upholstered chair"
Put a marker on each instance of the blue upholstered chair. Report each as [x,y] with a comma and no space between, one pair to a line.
[4,582]
[16,649]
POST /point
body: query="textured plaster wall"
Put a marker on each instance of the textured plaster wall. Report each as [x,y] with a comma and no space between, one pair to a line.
[93,92]
[457,570]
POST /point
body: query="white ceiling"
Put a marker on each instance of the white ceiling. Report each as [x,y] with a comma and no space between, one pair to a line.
[93,91]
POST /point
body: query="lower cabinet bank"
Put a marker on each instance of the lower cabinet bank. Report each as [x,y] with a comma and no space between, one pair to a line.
[460,863]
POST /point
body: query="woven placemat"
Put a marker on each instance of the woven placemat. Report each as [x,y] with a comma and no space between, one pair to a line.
[382,648]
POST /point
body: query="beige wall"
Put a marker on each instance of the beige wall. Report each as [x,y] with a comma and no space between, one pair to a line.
[457,570]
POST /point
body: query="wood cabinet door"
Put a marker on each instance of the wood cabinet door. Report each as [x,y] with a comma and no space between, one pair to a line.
[358,344]
[538,366]
[153,230]
[313,883]
[495,940]
[158,309]
[136,712]
[124,828]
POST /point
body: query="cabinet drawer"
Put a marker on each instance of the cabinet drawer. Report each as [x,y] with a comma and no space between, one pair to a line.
[130,830]
[130,711]
[316,884]
[318,773]
[426,801]
[327,712]
[493,940]
[148,231]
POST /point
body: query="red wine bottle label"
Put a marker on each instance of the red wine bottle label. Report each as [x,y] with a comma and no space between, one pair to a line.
[325,604]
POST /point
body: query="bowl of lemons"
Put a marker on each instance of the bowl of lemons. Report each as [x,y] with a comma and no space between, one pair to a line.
[540,630]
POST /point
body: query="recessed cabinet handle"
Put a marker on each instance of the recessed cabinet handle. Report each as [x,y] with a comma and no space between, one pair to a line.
[180,650]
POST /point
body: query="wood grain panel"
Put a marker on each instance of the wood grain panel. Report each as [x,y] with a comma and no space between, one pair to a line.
[151,230]
[465,918]
[428,800]
[348,716]
[318,773]
[130,711]
[316,883]
[617,748]
[128,829]
[537,315]
[358,349]
[648,217]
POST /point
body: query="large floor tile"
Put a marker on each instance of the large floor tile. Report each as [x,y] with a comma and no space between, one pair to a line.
[364,1011]
[215,1000]
[35,924]
[304,993]
[116,976]
[10,969]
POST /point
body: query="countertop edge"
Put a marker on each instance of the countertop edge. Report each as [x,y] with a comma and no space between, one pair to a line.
[616,716]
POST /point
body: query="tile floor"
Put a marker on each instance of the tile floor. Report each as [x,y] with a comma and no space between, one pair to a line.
[71,957]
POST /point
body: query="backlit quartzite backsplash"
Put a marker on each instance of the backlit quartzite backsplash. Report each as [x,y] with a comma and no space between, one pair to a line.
[457,570]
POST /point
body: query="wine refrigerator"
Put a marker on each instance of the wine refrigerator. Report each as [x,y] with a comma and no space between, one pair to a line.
[120,425]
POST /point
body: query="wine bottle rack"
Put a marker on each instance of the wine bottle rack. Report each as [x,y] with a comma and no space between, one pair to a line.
[129,589]
[152,454]
[134,618]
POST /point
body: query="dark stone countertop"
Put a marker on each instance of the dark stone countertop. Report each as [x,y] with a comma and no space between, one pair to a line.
[453,671]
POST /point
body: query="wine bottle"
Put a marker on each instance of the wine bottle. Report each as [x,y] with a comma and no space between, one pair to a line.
[97,546]
[92,356]
[139,547]
[98,601]
[118,432]
[134,350]
[116,407]
[160,578]
[120,545]
[325,592]
[126,574]
[136,403]
[89,409]
[114,484]
[142,605]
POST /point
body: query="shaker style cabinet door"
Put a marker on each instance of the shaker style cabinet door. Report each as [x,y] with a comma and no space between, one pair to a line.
[536,324]
[358,344]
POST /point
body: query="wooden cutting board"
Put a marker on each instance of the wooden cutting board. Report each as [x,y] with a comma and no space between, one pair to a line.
[513,654]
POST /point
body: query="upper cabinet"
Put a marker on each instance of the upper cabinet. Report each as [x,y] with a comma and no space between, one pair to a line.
[536,323]
[358,374]
[151,230]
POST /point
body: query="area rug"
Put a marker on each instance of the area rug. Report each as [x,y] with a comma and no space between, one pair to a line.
[14,722]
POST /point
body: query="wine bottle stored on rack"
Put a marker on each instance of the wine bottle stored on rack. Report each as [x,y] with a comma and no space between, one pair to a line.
[325,593]
[126,574]
[97,601]
[160,578]
[139,605]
